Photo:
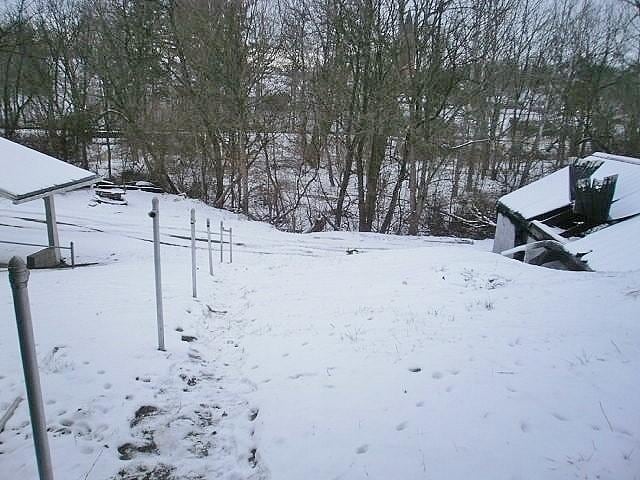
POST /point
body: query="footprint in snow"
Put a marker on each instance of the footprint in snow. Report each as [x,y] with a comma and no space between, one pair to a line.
[401,426]
[66,422]
[560,417]
[300,375]
[362,449]
[253,414]
[436,375]
[87,450]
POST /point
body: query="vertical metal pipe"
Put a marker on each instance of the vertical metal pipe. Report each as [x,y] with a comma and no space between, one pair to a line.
[230,246]
[193,252]
[73,256]
[221,240]
[52,226]
[209,247]
[155,216]
[18,278]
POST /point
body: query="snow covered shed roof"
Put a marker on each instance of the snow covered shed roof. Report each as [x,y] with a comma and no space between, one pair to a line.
[626,198]
[542,196]
[598,223]
[552,192]
[27,174]
[613,248]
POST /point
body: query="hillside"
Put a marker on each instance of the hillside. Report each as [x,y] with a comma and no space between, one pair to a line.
[411,358]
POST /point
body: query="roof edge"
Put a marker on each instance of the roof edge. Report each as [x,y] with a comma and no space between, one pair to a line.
[45,192]
[618,158]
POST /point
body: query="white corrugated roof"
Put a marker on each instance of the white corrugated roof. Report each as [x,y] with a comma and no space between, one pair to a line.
[26,174]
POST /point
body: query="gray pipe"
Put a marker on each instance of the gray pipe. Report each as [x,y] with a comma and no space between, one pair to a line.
[18,278]
[155,216]
[221,240]
[209,247]
[193,252]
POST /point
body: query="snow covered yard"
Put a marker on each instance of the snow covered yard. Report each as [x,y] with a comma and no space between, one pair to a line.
[408,359]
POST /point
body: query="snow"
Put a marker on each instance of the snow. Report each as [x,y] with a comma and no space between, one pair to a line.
[552,191]
[542,196]
[612,248]
[26,172]
[617,158]
[410,359]
[626,198]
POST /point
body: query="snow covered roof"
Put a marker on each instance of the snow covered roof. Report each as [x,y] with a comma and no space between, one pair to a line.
[542,196]
[626,198]
[28,174]
[613,248]
[553,191]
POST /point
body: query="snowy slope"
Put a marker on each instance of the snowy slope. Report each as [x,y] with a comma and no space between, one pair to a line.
[410,359]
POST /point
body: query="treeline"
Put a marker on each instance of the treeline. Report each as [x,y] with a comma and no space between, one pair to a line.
[378,115]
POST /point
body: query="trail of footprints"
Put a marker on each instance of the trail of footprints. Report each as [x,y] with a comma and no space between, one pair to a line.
[199,422]
[436,375]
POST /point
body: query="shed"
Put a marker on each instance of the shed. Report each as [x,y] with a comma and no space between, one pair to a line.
[31,175]
[585,216]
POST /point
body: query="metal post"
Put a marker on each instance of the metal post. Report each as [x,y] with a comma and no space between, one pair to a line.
[52,226]
[19,277]
[193,252]
[155,216]
[73,256]
[221,241]
[209,247]
[230,246]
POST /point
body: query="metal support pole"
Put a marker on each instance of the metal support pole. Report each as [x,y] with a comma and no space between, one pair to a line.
[73,256]
[155,216]
[52,226]
[221,241]
[193,252]
[19,277]
[209,247]
[230,246]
